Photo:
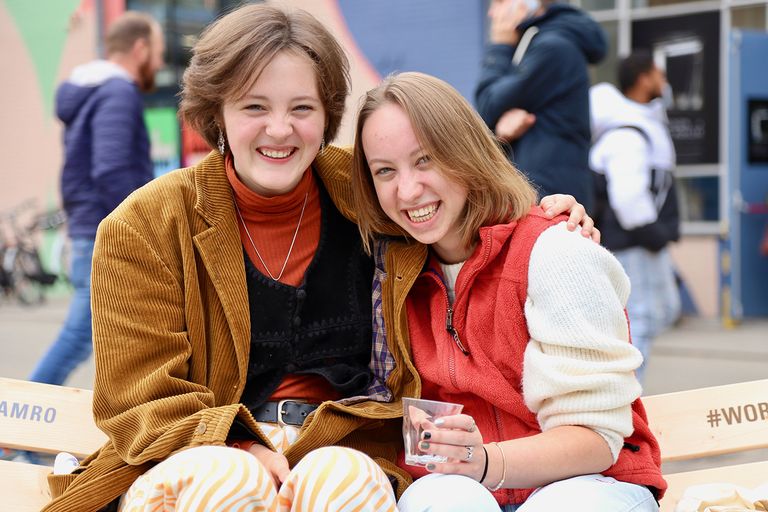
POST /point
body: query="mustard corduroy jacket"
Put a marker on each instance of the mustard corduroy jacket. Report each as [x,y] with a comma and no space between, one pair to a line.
[172,337]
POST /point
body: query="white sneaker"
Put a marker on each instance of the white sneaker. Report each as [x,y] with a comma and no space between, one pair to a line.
[65,463]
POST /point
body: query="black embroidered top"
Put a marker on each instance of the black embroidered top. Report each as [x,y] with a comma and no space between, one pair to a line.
[321,327]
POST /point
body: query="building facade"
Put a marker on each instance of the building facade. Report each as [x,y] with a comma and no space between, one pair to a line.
[441,37]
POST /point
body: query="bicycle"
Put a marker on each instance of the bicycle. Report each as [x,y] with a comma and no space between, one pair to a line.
[56,254]
[23,274]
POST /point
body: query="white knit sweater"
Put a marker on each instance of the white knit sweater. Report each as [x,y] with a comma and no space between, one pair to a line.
[579,365]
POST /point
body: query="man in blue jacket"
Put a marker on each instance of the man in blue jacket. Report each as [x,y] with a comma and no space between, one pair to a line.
[106,157]
[533,90]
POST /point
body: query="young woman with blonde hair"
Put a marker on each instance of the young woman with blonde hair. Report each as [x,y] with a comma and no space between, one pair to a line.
[507,312]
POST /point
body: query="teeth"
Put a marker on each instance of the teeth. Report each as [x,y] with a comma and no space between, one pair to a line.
[274,154]
[422,214]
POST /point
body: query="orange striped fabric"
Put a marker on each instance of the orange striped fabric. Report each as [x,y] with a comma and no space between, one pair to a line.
[222,479]
[281,437]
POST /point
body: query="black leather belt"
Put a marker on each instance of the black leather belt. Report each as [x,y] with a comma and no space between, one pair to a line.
[284,412]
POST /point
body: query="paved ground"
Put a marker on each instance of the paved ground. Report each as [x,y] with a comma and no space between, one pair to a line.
[697,353]
[26,332]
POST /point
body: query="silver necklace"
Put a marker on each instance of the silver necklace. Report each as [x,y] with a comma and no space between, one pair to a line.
[290,250]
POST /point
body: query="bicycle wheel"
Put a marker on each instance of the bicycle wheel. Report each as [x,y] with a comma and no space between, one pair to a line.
[25,278]
[5,281]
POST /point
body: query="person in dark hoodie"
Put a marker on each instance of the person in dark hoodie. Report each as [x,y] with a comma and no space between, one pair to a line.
[106,157]
[533,90]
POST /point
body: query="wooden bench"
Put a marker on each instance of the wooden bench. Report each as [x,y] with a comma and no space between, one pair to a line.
[688,424]
[711,421]
[42,418]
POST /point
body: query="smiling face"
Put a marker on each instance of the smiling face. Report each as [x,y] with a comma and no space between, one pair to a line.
[411,190]
[275,130]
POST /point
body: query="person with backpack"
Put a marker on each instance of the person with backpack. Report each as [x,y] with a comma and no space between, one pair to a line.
[633,159]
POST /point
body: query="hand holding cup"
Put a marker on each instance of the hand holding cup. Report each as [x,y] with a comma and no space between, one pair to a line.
[449,444]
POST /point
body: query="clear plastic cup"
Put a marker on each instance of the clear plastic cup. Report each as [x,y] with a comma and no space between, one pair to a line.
[419,415]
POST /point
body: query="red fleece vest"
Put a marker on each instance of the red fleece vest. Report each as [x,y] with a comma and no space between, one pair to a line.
[490,296]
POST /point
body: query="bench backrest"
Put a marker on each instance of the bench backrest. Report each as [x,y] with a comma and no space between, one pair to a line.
[47,418]
[41,418]
[710,421]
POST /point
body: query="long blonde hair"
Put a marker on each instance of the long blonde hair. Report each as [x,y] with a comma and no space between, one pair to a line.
[458,143]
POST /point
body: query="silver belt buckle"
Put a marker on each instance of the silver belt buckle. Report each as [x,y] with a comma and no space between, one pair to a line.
[280,411]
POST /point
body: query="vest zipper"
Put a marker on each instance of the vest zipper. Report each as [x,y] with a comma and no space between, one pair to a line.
[452,330]
[449,317]
[449,327]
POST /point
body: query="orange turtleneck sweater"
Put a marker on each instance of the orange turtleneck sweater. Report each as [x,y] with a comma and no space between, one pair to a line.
[271,223]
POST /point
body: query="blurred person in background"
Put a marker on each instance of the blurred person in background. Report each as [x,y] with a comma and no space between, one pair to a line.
[636,203]
[533,90]
[106,157]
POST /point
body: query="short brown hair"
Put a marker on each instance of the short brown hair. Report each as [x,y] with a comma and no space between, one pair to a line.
[232,52]
[126,30]
[458,143]
[632,67]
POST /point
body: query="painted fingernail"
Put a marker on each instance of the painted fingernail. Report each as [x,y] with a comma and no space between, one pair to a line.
[427,435]
[439,422]
[430,467]
[424,445]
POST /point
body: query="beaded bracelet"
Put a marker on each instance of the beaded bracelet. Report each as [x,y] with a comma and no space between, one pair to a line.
[485,469]
[503,470]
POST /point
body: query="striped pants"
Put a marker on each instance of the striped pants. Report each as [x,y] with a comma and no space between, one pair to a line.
[222,479]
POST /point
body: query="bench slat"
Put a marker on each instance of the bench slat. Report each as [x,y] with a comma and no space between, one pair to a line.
[710,421]
[47,418]
[744,475]
[23,487]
